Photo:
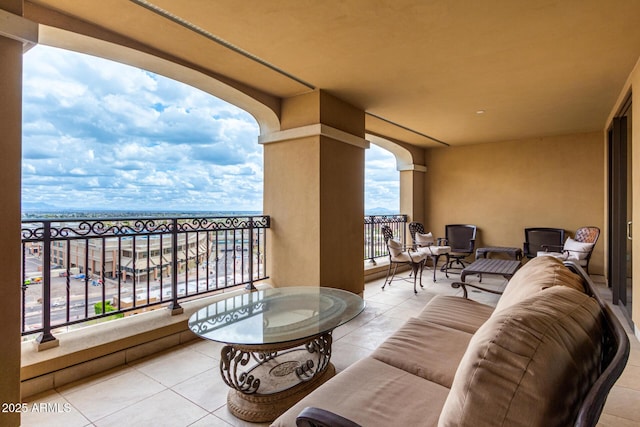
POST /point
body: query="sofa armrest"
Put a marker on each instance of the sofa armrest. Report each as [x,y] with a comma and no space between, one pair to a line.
[316,417]
[615,353]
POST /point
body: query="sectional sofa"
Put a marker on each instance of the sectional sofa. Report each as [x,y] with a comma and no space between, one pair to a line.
[546,355]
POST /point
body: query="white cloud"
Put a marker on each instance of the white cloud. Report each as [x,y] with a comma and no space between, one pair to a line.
[102,135]
[382,180]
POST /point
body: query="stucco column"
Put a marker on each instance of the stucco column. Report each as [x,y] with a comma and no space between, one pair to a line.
[412,197]
[314,193]
[12,28]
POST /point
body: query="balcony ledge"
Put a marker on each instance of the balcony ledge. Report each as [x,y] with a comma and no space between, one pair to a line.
[97,348]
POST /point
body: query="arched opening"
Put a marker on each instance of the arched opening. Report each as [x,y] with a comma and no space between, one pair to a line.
[382,182]
[130,178]
[99,135]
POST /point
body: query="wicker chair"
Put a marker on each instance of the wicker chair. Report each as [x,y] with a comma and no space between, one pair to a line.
[462,239]
[541,239]
[432,249]
[399,255]
[578,249]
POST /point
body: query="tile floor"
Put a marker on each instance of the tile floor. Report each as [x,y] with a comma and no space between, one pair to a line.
[183,387]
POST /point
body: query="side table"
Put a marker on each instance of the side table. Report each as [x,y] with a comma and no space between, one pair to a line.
[515,253]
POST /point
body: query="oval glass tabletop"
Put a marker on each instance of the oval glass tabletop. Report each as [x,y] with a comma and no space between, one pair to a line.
[276,315]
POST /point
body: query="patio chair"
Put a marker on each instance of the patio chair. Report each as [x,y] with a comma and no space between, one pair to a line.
[425,243]
[578,249]
[541,239]
[399,255]
[462,240]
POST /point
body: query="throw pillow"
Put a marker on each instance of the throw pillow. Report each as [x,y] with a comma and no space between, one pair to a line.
[424,239]
[577,249]
[395,247]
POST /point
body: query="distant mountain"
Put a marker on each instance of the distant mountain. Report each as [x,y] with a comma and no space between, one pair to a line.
[380,211]
[38,207]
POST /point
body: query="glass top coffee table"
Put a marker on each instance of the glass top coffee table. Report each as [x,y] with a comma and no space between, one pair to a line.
[277,344]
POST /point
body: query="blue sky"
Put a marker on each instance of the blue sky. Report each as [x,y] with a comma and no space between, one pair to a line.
[102,135]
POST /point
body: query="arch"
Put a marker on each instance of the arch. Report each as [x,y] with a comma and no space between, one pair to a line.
[404,157]
[265,113]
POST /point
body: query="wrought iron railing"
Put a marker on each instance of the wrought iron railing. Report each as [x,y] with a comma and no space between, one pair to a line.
[79,270]
[374,245]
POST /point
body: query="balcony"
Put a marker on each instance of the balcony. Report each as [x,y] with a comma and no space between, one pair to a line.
[78,274]
[84,271]
[183,387]
[78,271]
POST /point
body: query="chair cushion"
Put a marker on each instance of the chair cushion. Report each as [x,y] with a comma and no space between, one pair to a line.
[559,255]
[577,250]
[424,239]
[545,346]
[395,247]
[536,275]
[435,250]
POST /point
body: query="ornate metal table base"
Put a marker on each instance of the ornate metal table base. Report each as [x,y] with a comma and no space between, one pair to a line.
[264,408]
[266,380]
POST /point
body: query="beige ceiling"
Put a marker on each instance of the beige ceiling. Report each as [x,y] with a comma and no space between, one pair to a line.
[536,67]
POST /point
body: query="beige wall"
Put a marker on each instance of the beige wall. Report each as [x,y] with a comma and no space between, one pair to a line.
[505,187]
[10,160]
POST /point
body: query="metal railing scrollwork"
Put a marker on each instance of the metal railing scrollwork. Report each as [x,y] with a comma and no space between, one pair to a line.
[80,270]
[374,246]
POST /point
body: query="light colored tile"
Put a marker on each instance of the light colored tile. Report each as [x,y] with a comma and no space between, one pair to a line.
[344,354]
[624,403]
[51,409]
[634,356]
[166,408]
[210,421]
[224,414]
[193,372]
[375,332]
[108,397]
[607,420]
[175,366]
[208,348]
[207,390]
[370,312]
[630,377]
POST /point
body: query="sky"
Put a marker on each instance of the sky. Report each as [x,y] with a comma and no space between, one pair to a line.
[99,135]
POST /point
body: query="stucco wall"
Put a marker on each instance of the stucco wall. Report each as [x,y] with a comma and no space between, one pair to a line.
[505,187]
[10,144]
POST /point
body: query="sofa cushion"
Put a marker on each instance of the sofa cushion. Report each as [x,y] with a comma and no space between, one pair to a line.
[425,349]
[536,275]
[529,364]
[455,312]
[372,393]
